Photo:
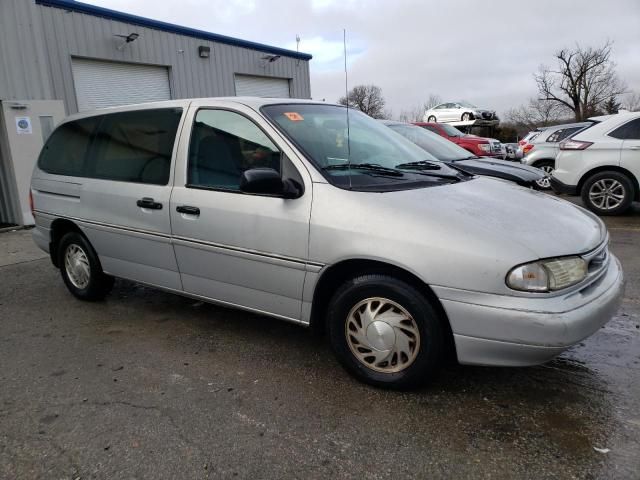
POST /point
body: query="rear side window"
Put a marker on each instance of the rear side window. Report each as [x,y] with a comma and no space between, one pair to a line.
[65,151]
[563,133]
[628,131]
[135,146]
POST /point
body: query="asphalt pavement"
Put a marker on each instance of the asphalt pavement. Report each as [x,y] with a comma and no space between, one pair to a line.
[152,385]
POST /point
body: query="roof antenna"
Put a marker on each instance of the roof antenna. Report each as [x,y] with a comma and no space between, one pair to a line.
[346,96]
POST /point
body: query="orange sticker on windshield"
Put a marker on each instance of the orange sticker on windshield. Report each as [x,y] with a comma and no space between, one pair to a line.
[294,116]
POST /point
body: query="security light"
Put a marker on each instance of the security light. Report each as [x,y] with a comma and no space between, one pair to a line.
[270,58]
[204,51]
[132,37]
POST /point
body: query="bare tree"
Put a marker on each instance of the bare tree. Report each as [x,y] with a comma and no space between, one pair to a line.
[416,114]
[537,113]
[584,81]
[366,98]
[631,102]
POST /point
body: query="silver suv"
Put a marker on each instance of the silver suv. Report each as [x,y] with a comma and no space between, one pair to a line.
[322,216]
[546,146]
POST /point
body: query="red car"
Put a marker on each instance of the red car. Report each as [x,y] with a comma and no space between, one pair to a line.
[479,146]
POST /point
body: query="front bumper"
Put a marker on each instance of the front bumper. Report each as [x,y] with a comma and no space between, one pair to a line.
[501,330]
[560,187]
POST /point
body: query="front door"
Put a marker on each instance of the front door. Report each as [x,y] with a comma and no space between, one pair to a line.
[241,249]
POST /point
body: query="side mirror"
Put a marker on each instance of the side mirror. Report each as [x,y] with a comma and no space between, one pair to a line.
[267,181]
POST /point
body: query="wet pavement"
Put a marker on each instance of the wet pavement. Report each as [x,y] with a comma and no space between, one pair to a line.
[153,385]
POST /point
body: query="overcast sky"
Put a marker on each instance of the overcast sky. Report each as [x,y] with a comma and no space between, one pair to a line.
[481,51]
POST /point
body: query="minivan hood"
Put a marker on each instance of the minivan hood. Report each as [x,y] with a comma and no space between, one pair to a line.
[546,225]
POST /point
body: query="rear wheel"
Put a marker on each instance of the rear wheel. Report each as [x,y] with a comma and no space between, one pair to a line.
[608,193]
[385,332]
[432,119]
[80,268]
[547,167]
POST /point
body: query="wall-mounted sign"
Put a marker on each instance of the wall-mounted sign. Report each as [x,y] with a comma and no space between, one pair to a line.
[23,125]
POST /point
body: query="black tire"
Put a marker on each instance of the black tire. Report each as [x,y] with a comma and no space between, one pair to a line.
[427,357]
[547,166]
[624,187]
[432,119]
[99,284]
[465,117]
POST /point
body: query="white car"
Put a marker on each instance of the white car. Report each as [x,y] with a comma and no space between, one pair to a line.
[458,112]
[602,164]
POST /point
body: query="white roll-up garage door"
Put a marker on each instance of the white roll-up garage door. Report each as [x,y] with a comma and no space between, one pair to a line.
[254,86]
[109,84]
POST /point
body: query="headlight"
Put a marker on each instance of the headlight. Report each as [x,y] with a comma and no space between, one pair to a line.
[485,147]
[548,275]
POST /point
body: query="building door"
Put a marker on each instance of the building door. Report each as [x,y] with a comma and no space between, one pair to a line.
[108,84]
[254,86]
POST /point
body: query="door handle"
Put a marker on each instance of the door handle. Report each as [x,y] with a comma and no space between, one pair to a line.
[149,203]
[188,210]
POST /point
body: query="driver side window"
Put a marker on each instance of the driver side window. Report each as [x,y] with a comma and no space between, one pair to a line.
[223,145]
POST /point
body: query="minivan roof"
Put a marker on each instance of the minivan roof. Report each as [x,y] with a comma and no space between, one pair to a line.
[253,102]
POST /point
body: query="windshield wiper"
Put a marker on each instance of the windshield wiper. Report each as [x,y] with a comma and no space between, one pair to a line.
[420,165]
[372,167]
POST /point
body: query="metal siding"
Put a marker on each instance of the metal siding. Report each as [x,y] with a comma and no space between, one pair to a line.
[253,86]
[109,84]
[24,71]
[54,35]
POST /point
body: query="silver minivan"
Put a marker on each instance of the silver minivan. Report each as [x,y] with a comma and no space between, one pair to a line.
[322,216]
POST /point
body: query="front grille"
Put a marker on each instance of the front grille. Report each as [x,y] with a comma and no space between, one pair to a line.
[487,115]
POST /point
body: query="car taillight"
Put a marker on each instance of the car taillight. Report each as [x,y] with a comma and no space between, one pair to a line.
[31,206]
[574,145]
[527,148]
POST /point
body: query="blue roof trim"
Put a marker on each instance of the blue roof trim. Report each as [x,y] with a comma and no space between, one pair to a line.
[168,27]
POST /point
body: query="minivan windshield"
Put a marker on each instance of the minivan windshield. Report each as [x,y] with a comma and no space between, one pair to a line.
[364,154]
[434,144]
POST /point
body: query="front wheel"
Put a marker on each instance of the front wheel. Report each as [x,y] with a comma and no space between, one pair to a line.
[385,332]
[466,117]
[432,119]
[80,268]
[608,193]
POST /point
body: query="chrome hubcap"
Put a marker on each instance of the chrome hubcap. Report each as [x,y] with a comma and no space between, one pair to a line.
[77,266]
[382,335]
[607,194]
[545,182]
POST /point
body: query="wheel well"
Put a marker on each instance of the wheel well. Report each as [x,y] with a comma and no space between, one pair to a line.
[337,274]
[59,228]
[544,160]
[611,168]
[471,115]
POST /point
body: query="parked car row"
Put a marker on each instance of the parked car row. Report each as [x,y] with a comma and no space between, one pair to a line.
[541,149]
[322,216]
[479,146]
[601,163]
[454,155]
